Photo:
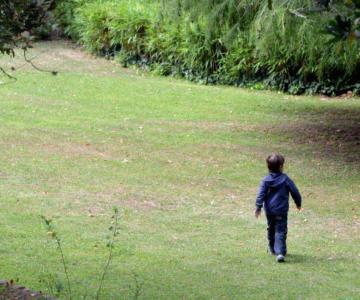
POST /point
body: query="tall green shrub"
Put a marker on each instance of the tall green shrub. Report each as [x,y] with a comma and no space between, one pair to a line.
[237,42]
[295,53]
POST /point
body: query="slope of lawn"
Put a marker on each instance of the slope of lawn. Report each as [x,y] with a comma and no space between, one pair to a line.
[183,162]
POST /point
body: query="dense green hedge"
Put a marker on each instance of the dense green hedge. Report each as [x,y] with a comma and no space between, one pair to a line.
[246,44]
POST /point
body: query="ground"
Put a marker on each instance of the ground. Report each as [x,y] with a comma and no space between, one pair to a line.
[183,162]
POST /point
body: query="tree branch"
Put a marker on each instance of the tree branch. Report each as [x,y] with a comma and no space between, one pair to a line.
[29,61]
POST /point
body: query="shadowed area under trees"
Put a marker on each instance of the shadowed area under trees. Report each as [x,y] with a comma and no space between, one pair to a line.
[328,131]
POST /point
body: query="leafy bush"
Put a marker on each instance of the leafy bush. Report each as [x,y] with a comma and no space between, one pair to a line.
[64,14]
[108,27]
[295,54]
[220,41]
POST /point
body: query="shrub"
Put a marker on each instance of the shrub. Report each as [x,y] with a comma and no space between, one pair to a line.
[65,15]
[220,41]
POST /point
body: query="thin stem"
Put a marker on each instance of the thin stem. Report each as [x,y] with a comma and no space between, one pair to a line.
[65,267]
[138,286]
[110,255]
[54,236]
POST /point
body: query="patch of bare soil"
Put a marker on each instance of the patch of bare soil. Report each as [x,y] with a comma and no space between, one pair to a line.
[204,125]
[10,291]
[64,56]
[99,203]
[74,150]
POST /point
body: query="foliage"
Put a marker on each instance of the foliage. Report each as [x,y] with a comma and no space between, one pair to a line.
[53,282]
[22,21]
[54,235]
[222,41]
[278,43]
[19,20]
[64,15]
[110,244]
[346,24]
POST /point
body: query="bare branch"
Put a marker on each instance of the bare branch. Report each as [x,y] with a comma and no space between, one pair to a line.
[6,73]
[29,61]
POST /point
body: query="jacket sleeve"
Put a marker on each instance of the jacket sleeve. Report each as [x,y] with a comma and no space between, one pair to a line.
[261,196]
[294,192]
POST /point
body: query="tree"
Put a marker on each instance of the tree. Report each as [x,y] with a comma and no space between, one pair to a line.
[19,20]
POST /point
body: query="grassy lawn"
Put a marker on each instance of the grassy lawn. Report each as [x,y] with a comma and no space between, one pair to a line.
[183,162]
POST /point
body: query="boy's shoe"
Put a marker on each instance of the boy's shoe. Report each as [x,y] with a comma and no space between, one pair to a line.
[280,258]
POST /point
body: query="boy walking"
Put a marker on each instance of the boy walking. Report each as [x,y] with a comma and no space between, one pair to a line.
[274,195]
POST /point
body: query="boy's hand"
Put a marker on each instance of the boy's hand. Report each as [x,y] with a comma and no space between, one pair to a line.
[299,208]
[257,213]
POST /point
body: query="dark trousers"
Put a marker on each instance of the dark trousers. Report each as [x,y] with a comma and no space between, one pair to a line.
[277,232]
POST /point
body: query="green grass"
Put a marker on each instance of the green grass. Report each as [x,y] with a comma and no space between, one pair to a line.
[183,162]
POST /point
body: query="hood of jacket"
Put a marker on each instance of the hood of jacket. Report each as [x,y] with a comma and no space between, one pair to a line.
[275,179]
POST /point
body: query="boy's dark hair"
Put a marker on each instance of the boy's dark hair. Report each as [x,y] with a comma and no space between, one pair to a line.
[275,162]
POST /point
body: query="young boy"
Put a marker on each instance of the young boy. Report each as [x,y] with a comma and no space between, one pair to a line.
[274,194]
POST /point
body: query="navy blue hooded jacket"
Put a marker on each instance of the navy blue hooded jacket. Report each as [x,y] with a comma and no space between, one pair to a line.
[274,194]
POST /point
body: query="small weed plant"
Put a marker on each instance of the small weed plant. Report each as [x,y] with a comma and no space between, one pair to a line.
[54,283]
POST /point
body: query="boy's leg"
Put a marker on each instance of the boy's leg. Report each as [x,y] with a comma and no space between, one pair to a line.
[280,234]
[271,232]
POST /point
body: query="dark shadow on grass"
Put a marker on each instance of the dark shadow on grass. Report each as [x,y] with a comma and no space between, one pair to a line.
[326,132]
